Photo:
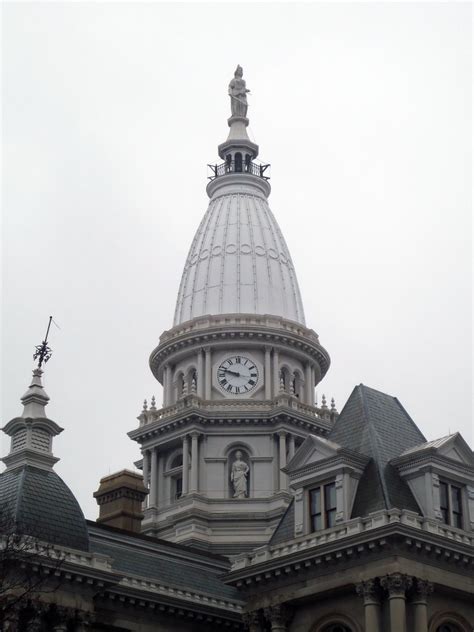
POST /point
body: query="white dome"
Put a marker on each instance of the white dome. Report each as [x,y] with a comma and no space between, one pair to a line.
[239,261]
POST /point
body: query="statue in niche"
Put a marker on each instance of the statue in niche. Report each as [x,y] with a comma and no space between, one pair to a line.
[238,94]
[238,476]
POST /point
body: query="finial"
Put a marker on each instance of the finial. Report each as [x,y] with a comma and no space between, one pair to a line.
[145,406]
[323,401]
[153,403]
[238,94]
[333,404]
[43,352]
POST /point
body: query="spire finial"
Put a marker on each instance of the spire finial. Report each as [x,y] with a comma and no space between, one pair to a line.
[43,352]
[323,401]
[238,94]
[153,403]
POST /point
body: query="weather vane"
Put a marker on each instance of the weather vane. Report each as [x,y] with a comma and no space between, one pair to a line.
[43,352]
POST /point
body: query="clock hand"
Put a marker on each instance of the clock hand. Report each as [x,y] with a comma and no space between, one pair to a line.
[232,372]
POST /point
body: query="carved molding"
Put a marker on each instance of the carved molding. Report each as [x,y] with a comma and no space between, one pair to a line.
[422,589]
[279,615]
[369,590]
[396,584]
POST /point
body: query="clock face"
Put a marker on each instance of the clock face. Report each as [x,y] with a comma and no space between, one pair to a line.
[237,375]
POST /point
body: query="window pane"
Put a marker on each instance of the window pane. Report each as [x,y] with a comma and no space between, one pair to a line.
[456,499]
[330,518]
[179,487]
[316,522]
[330,496]
[316,501]
[443,501]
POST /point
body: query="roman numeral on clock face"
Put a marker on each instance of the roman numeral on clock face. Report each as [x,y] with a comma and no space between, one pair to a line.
[237,375]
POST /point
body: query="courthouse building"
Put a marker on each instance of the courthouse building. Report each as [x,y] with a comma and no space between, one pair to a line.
[258,508]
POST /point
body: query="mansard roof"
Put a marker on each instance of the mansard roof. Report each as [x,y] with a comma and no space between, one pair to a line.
[376,424]
[37,502]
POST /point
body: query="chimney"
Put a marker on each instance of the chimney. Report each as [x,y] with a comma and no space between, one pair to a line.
[120,497]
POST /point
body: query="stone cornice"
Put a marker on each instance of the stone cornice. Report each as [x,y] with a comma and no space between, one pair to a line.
[227,413]
[430,458]
[316,552]
[343,459]
[178,603]
[38,422]
[220,330]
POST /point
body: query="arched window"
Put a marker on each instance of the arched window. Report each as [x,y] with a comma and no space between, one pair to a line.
[297,386]
[238,161]
[336,627]
[248,158]
[228,162]
[177,461]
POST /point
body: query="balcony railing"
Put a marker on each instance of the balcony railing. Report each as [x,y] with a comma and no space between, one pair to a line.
[233,166]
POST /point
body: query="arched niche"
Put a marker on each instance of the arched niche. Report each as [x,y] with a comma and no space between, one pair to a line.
[239,477]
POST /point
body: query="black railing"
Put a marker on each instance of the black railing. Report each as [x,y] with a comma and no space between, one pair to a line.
[231,166]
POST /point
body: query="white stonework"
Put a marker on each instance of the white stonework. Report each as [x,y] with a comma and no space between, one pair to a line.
[238,369]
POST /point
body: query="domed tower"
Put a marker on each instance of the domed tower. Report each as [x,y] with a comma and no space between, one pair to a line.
[238,368]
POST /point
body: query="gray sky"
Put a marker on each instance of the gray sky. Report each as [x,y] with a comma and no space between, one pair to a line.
[111,113]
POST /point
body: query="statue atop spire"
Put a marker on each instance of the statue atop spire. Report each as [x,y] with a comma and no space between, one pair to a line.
[238,94]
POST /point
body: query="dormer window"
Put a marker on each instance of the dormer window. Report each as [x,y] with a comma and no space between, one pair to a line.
[323,507]
[450,497]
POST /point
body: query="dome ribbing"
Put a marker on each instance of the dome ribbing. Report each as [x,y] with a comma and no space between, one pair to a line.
[239,261]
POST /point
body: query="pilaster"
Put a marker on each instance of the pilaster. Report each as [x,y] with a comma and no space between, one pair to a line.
[185,464]
[268,372]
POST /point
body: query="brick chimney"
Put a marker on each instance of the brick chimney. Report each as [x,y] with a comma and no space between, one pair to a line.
[120,497]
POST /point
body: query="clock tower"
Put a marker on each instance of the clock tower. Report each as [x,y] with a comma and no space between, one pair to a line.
[238,368]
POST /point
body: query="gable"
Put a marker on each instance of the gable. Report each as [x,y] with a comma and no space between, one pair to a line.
[312,450]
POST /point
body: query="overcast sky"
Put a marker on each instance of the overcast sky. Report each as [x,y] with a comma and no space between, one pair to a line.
[111,113]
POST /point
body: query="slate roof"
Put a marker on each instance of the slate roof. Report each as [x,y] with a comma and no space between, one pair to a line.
[174,566]
[285,529]
[38,503]
[436,443]
[376,424]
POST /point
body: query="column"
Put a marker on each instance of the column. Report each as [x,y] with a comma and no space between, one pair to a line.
[185,464]
[276,373]
[145,470]
[200,375]
[420,599]
[208,376]
[308,383]
[153,497]
[252,621]
[194,461]
[397,585]
[279,616]
[282,461]
[165,386]
[268,373]
[291,447]
[368,591]
[313,384]
[169,383]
